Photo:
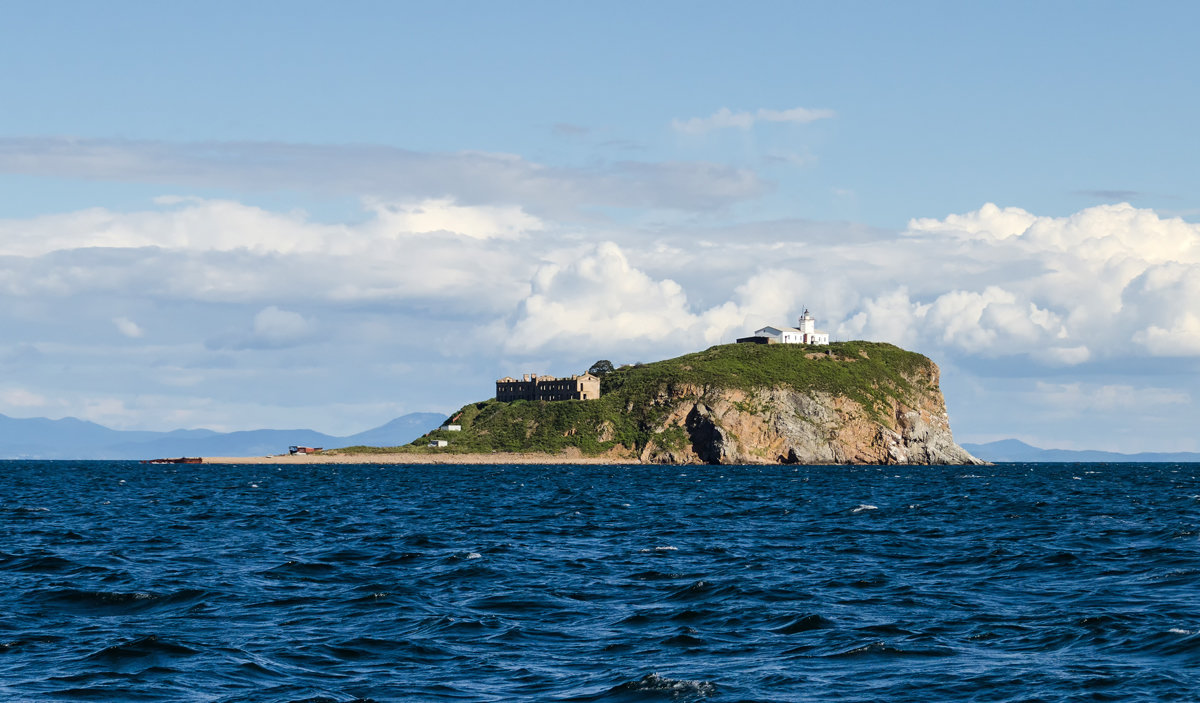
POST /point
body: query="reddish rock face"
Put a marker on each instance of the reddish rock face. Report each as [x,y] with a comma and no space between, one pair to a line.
[783,425]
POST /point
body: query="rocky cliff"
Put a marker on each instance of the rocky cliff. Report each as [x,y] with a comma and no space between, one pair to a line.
[847,403]
[783,425]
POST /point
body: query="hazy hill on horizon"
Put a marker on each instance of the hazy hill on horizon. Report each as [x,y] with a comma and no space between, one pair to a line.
[72,438]
[1014,450]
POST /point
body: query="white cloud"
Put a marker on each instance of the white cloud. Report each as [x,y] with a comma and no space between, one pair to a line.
[128,327]
[726,119]
[275,327]
[1081,398]
[21,398]
[1107,281]
[388,173]
[990,221]
[1182,339]
[217,250]
[272,328]
[597,299]
[1166,299]
[890,317]
[1097,234]
[236,293]
[1063,356]
[444,215]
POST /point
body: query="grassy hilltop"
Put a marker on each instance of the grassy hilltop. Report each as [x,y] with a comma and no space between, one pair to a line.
[635,400]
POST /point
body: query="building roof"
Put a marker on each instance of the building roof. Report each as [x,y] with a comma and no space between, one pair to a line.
[785,329]
[777,329]
[537,378]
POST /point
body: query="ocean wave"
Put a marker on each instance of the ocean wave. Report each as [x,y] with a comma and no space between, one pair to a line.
[363,583]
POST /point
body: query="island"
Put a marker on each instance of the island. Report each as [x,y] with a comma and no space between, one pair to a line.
[852,402]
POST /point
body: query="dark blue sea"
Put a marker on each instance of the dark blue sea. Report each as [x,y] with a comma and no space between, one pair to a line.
[1017,582]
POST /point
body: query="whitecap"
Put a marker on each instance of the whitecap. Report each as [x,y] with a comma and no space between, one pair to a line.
[863,507]
[678,688]
[474,555]
[1181,631]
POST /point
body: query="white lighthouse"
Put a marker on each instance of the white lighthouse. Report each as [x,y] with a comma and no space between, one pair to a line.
[808,330]
[808,323]
[805,333]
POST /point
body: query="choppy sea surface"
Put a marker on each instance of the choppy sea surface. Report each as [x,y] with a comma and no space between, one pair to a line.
[1016,582]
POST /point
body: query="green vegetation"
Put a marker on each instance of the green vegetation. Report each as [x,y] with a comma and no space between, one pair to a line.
[635,400]
[601,368]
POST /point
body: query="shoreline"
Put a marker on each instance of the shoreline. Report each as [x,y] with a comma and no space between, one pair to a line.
[401,458]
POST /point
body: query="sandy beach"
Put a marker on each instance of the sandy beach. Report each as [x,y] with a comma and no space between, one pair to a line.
[570,457]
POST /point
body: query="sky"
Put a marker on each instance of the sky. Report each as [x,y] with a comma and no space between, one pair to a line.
[319,215]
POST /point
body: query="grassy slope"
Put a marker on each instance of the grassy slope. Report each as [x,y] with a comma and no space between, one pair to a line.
[627,413]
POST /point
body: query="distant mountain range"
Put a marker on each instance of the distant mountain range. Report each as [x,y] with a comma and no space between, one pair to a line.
[69,438]
[1016,450]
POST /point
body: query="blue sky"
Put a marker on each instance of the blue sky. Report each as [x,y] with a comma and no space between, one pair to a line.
[291,214]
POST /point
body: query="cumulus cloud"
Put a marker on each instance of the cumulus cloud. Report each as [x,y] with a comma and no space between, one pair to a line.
[444,215]
[219,250]
[1105,282]
[1110,280]
[272,328]
[275,327]
[597,299]
[128,327]
[726,119]
[482,288]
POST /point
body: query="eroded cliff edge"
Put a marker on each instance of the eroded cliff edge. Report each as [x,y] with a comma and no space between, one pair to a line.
[846,403]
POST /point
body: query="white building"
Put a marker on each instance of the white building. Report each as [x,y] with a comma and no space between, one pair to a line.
[806,333]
